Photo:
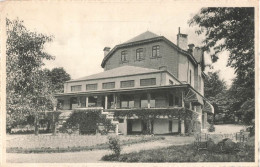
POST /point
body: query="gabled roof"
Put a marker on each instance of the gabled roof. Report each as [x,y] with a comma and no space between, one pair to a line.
[143,36]
[119,71]
[146,37]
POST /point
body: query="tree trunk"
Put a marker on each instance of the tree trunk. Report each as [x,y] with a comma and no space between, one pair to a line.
[36,124]
[53,124]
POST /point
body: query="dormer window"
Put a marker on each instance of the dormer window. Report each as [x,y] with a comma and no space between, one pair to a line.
[124,56]
[139,54]
[156,51]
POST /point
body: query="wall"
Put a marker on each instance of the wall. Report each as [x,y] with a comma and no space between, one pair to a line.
[168,57]
[160,80]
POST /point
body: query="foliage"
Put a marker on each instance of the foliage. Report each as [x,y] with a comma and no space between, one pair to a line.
[57,76]
[185,153]
[213,85]
[114,145]
[88,122]
[231,29]
[211,128]
[26,85]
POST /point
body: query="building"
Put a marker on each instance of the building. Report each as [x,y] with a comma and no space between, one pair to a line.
[146,74]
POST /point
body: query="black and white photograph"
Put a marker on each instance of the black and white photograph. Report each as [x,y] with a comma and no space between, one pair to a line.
[113,82]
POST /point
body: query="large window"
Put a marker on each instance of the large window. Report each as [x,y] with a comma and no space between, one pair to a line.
[108,85]
[91,87]
[156,51]
[126,84]
[124,56]
[140,54]
[127,101]
[148,81]
[144,101]
[76,88]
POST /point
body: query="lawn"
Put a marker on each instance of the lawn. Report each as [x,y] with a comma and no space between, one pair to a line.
[186,153]
[68,143]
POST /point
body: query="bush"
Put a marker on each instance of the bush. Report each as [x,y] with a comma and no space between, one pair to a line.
[114,145]
[227,145]
[211,128]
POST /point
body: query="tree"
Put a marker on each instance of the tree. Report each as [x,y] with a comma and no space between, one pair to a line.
[213,84]
[231,29]
[27,88]
[215,91]
[57,76]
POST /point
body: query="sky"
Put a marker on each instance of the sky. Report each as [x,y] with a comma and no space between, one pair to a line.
[81,29]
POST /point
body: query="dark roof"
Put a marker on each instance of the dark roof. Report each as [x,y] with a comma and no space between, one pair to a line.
[117,72]
[143,36]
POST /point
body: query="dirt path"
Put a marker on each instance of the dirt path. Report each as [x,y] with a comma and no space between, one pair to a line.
[92,156]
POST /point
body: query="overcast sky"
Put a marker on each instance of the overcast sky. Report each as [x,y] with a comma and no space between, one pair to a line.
[82,29]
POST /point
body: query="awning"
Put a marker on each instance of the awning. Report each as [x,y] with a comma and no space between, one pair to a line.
[192,96]
[208,107]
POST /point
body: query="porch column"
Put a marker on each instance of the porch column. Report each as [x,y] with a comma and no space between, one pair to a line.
[116,128]
[148,99]
[114,99]
[105,101]
[87,102]
[78,100]
[182,127]
[190,106]
[182,99]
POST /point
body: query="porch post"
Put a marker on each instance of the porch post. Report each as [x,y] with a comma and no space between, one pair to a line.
[87,102]
[182,99]
[148,99]
[114,99]
[116,128]
[105,101]
[182,127]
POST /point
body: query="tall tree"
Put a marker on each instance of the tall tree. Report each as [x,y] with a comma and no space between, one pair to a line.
[27,88]
[230,29]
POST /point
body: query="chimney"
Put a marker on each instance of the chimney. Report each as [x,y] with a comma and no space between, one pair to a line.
[106,51]
[191,47]
[182,40]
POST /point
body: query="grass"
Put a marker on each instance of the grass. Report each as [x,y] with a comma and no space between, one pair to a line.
[59,144]
[185,153]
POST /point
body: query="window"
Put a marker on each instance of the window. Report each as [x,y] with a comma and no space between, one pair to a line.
[124,56]
[147,82]
[76,88]
[177,101]
[156,51]
[91,87]
[170,82]
[126,84]
[144,101]
[127,101]
[92,101]
[140,54]
[170,100]
[108,85]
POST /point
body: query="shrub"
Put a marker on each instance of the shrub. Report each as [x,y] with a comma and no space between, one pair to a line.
[114,145]
[227,145]
[211,128]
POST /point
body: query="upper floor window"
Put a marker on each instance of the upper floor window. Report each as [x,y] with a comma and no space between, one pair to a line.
[126,84]
[76,88]
[148,81]
[124,56]
[108,85]
[91,87]
[140,54]
[156,51]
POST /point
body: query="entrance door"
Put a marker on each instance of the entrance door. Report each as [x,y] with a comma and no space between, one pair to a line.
[129,126]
